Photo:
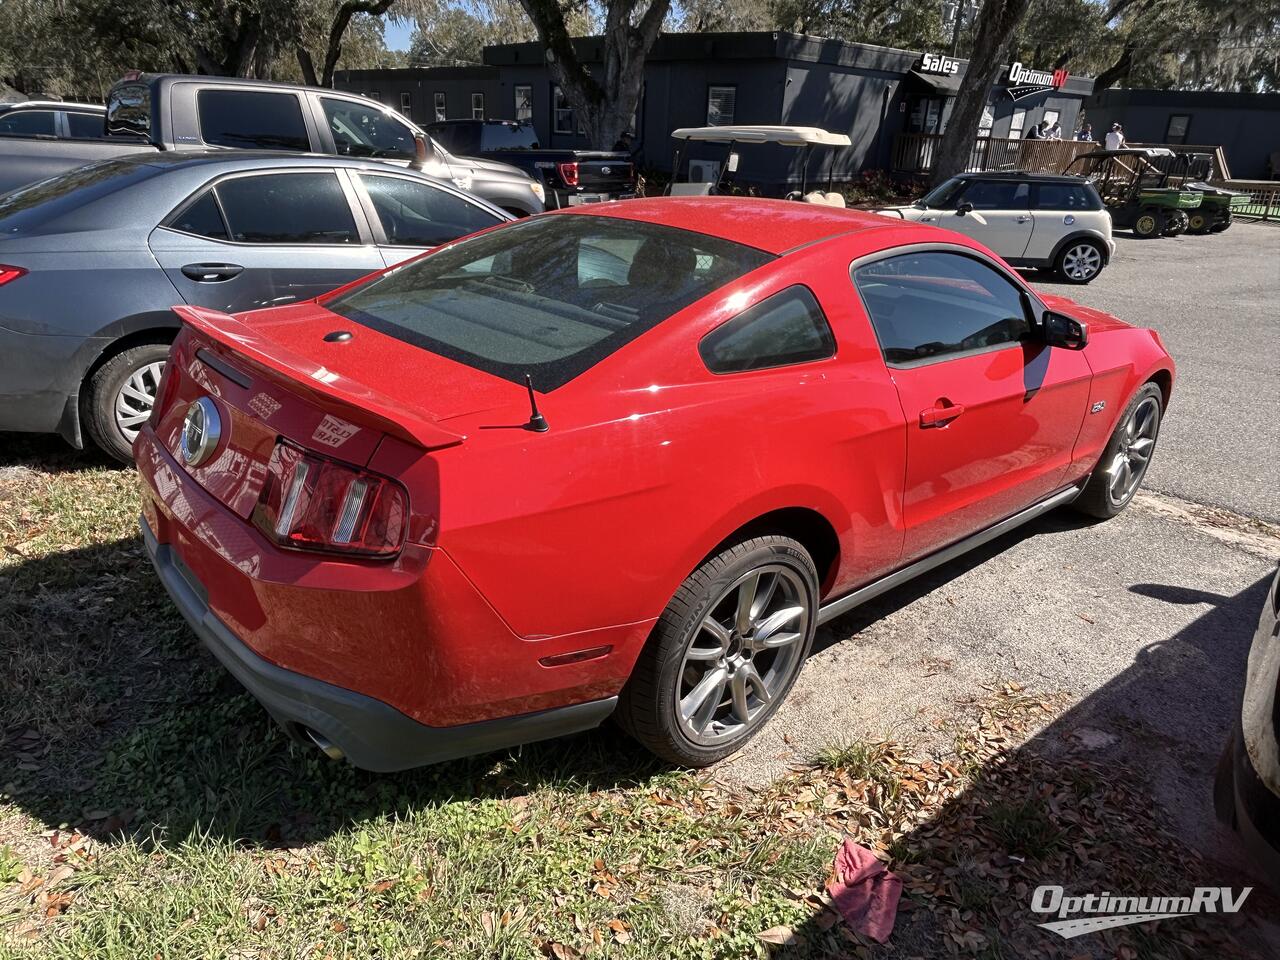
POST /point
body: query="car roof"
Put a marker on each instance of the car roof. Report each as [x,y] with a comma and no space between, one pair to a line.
[774,226]
[254,159]
[789,136]
[1022,175]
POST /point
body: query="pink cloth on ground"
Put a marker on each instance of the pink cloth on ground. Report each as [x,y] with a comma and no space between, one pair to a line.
[865,892]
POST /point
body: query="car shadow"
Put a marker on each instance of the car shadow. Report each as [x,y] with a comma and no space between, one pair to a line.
[1107,797]
[115,720]
[51,454]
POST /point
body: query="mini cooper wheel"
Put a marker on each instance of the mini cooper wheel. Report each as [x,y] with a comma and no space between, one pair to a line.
[120,396]
[725,652]
[1124,462]
[1149,223]
[1080,262]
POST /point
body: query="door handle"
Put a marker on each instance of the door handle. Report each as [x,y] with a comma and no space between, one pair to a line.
[1023,219]
[940,414]
[211,272]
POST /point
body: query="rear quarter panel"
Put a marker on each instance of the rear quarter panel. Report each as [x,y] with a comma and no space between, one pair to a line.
[651,462]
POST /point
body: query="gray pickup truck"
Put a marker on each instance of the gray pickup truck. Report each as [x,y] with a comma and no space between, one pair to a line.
[153,112]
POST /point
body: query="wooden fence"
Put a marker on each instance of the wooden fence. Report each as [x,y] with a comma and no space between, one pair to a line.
[1264,197]
[913,153]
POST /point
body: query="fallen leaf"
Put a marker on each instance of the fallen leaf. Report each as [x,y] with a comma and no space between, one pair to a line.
[783,936]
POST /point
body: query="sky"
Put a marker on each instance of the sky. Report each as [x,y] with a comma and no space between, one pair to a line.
[396,35]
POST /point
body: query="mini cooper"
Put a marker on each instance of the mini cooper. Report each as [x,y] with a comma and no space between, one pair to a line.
[616,461]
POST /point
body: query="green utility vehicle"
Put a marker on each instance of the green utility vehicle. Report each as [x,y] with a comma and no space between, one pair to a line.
[1137,185]
[1217,203]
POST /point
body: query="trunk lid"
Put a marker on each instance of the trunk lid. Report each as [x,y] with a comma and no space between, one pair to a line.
[272,374]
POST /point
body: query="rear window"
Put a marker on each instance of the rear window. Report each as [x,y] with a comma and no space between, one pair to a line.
[247,118]
[1067,196]
[550,296]
[47,200]
[129,109]
[508,136]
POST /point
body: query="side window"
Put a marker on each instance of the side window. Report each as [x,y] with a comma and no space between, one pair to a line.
[246,118]
[203,218]
[925,306]
[1063,196]
[86,126]
[997,195]
[417,215]
[788,327]
[27,123]
[364,130]
[287,208]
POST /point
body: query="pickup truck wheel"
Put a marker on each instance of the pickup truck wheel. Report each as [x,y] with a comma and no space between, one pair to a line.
[120,396]
[1080,262]
[1124,462]
[725,652]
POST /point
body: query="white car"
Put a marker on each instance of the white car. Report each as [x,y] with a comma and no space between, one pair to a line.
[1037,220]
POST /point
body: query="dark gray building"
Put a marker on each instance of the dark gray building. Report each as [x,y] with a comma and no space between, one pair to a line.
[1245,125]
[871,93]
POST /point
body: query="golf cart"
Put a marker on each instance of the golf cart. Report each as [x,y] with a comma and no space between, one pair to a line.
[1135,186]
[706,178]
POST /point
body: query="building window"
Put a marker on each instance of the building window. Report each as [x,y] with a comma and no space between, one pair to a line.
[441,111]
[477,106]
[1016,123]
[987,122]
[562,113]
[375,95]
[406,104]
[524,102]
[720,105]
[1176,131]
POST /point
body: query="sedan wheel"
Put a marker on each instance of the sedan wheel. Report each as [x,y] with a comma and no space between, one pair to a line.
[1124,462]
[1080,262]
[136,398]
[725,652]
[120,395]
[743,654]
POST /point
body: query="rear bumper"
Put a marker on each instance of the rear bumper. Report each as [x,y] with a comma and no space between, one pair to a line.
[371,734]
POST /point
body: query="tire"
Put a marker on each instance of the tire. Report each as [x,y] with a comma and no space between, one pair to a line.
[1175,222]
[116,398]
[1080,261]
[1108,491]
[1198,222]
[1148,223]
[726,662]
[1222,224]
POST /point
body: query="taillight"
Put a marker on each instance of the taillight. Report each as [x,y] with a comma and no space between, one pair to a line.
[8,273]
[568,173]
[313,503]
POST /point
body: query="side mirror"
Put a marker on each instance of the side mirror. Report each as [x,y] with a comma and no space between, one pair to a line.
[963,209]
[1063,331]
[421,151]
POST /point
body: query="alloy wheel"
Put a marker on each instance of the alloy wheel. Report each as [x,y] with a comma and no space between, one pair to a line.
[1082,262]
[136,398]
[1137,442]
[743,654]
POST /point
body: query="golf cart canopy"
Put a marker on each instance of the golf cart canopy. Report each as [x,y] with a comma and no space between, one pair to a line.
[787,136]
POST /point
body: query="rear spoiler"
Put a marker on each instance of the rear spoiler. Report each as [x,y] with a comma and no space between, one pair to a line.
[325,386]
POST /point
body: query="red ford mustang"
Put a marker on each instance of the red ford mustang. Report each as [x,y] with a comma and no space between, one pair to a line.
[621,460]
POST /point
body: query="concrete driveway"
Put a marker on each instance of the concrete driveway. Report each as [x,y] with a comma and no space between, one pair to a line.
[1145,620]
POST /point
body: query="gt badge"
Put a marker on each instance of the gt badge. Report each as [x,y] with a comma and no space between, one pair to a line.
[1098,407]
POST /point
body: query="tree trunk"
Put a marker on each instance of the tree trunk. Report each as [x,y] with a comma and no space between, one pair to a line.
[336,32]
[602,105]
[996,24]
[1118,70]
[307,66]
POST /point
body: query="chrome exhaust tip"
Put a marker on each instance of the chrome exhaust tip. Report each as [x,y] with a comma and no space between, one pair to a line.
[331,749]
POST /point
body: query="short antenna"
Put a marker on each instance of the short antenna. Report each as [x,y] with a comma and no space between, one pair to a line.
[537,422]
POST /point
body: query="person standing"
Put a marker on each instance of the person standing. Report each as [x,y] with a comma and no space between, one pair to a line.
[1036,132]
[1115,137]
[1085,133]
[1054,132]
